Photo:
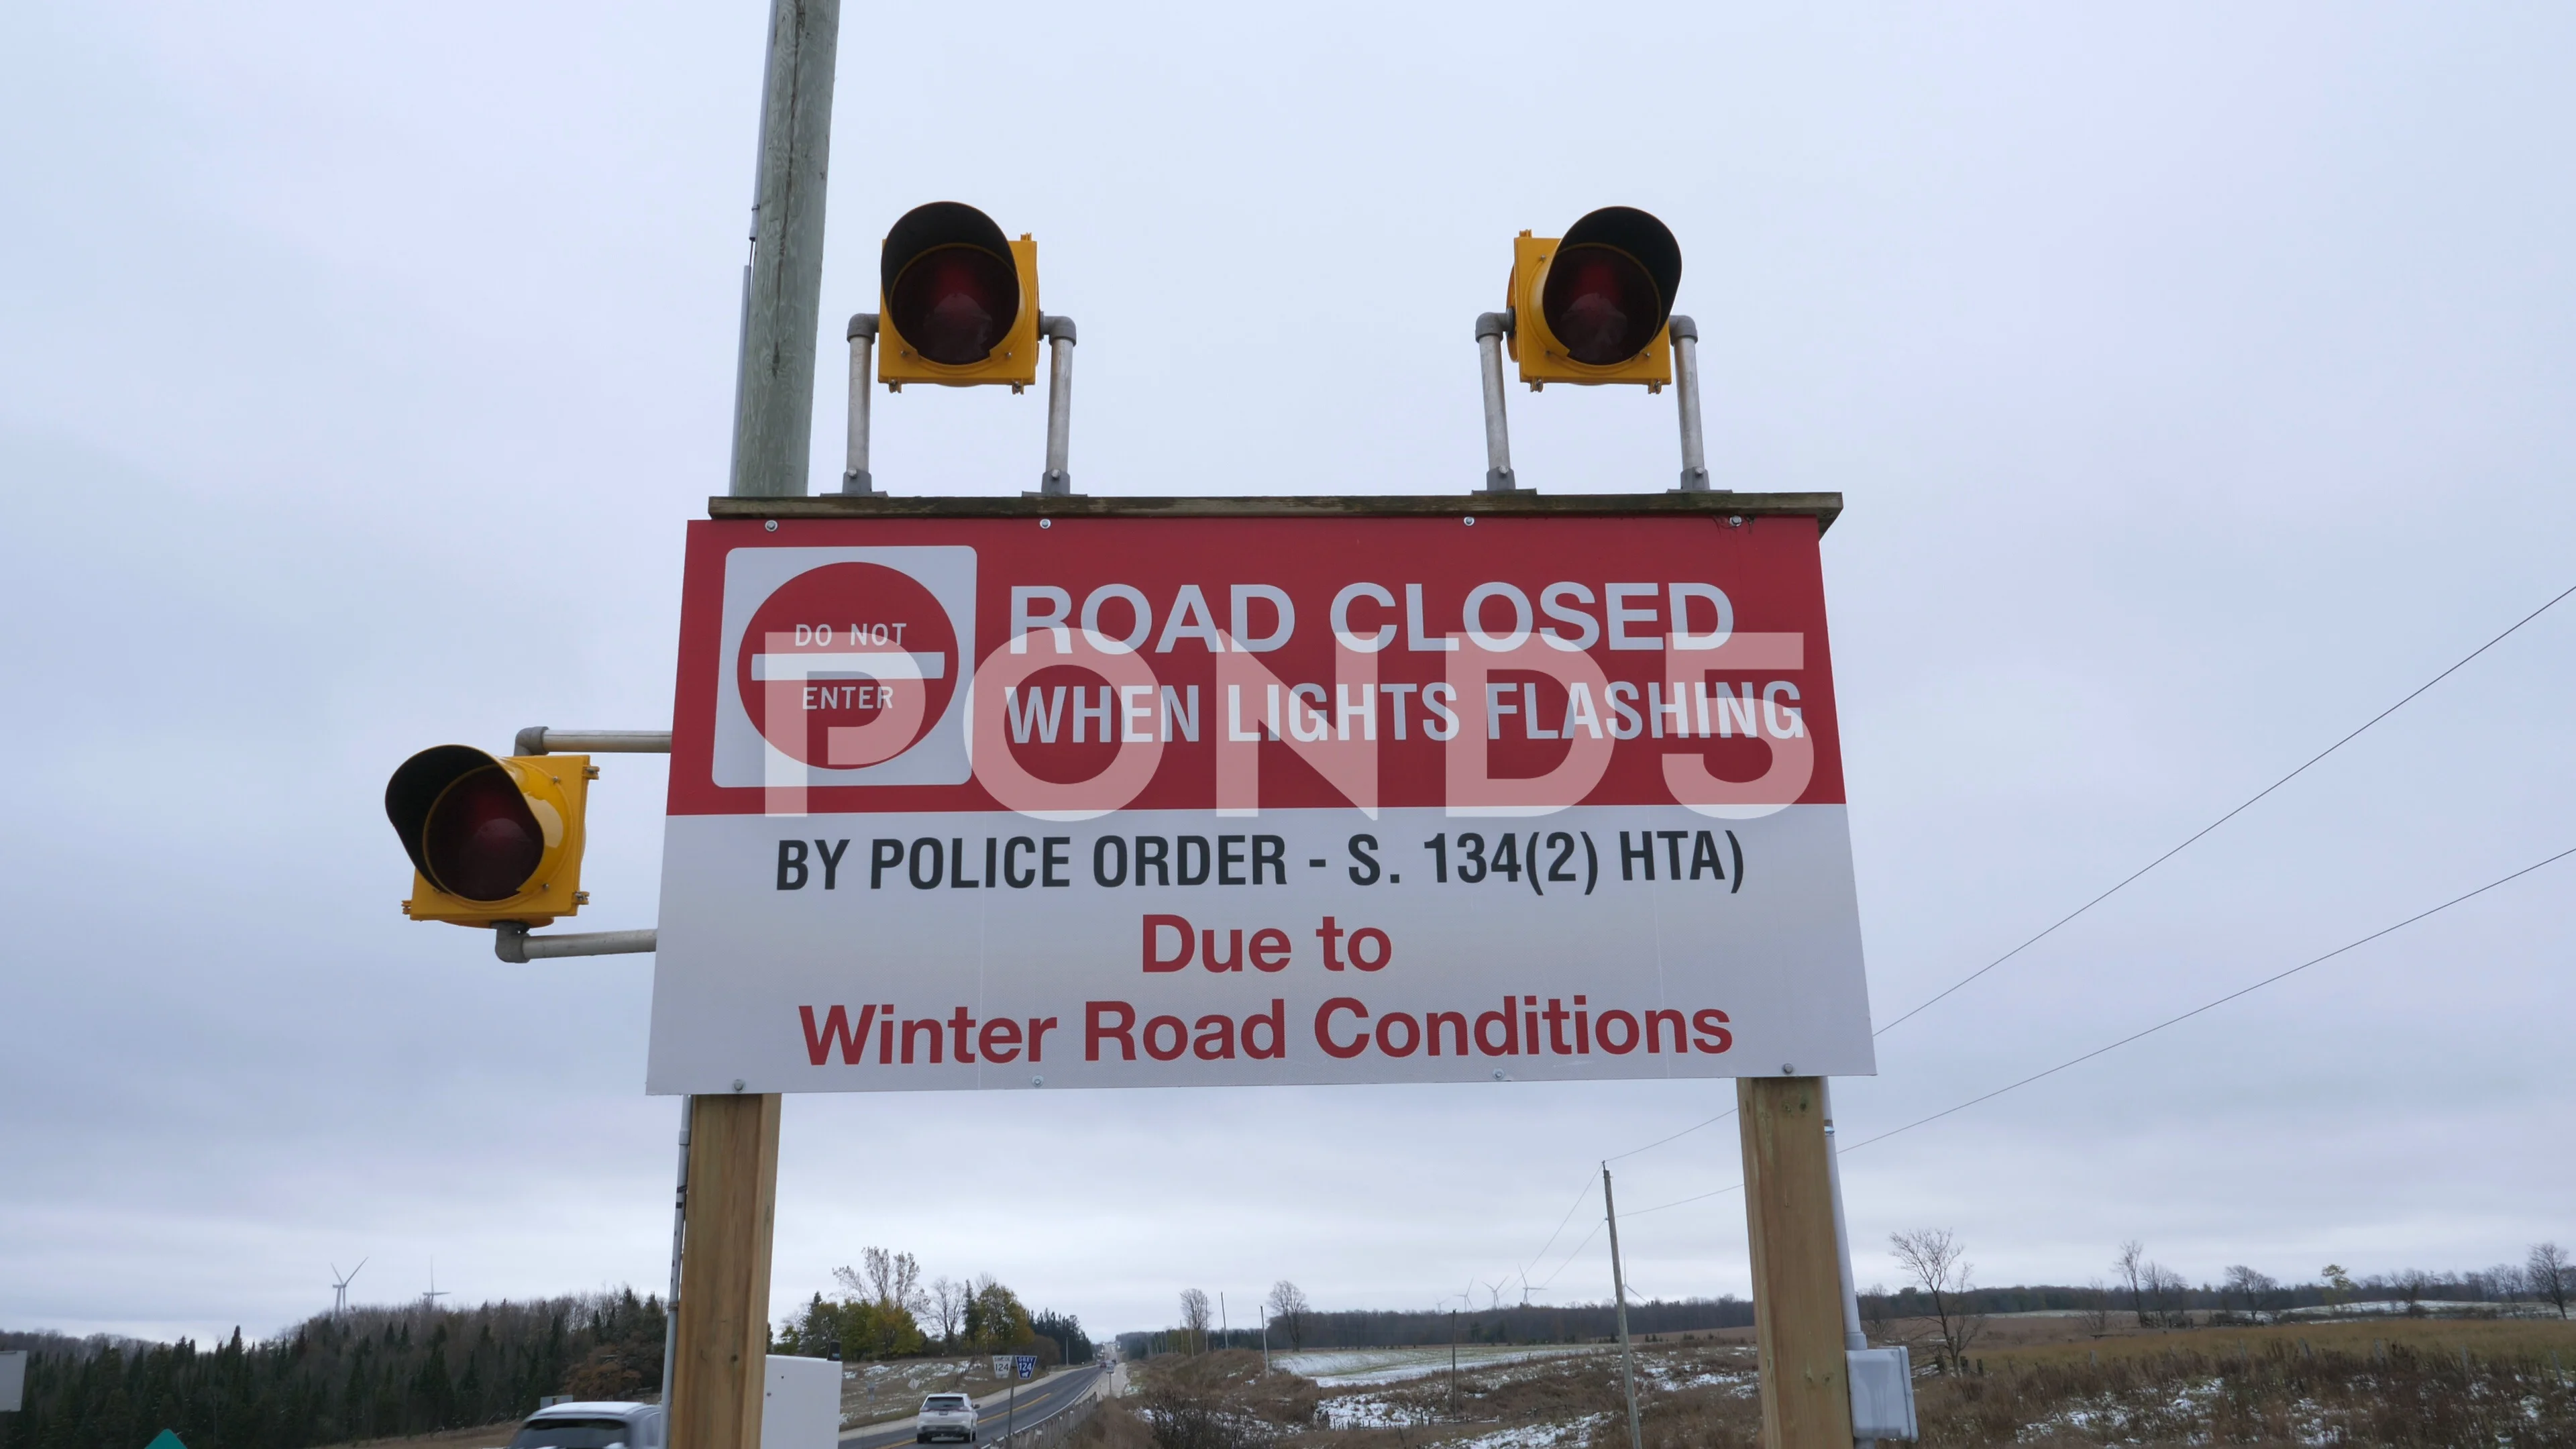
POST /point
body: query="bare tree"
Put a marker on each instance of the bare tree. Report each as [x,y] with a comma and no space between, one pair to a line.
[2411,1285]
[2254,1289]
[2097,1308]
[896,1277]
[1288,1309]
[2132,1266]
[2170,1295]
[1196,1314]
[2547,1276]
[1936,1260]
[2500,1284]
[1874,1306]
[948,1299]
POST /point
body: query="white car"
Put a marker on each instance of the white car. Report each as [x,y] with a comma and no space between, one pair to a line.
[946,1416]
[591,1425]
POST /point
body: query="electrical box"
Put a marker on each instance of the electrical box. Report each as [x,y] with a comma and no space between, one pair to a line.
[801,1408]
[1882,1393]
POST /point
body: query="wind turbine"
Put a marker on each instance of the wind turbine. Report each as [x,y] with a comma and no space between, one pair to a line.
[340,1287]
[429,1300]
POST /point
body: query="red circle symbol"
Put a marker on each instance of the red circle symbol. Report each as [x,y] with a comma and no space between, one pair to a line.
[847,665]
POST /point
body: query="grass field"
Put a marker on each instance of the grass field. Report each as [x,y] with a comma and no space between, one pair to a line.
[2395,1382]
[1341,1367]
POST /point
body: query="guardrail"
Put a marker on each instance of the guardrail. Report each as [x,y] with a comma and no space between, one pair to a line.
[1058,1425]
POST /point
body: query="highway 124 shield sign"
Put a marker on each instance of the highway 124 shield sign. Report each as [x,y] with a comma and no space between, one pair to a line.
[1160,795]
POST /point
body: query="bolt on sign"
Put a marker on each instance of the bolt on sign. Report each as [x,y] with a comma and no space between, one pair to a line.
[1134,799]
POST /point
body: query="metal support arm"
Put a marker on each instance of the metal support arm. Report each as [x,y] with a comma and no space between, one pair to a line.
[1685,335]
[863,340]
[539,740]
[1491,329]
[512,943]
[1057,480]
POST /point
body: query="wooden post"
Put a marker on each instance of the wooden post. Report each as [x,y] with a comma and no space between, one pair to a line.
[1797,1278]
[722,1360]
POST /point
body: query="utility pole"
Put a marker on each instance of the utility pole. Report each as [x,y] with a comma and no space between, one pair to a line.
[1619,1289]
[782,299]
[1453,1364]
[720,1339]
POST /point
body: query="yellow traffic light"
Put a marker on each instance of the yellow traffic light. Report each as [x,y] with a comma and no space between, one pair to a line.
[491,838]
[1591,306]
[958,301]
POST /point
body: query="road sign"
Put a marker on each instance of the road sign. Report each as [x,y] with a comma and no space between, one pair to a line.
[13,1380]
[1181,794]
[1028,1366]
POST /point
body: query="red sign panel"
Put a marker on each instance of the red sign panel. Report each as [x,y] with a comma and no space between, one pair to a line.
[1227,772]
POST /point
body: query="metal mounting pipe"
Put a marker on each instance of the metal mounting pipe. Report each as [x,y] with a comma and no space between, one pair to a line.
[1057,480]
[863,340]
[1853,1337]
[679,1239]
[1491,329]
[540,740]
[512,943]
[1685,334]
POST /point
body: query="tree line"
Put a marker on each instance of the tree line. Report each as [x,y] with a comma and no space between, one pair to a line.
[1291,1323]
[1941,1292]
[367,1373]
[1942,1310]
[884,1310]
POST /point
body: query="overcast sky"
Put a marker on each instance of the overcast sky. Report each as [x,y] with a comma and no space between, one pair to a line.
[2197,378]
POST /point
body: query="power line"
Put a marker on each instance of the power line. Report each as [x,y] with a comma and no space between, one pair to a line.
[2210,1005]
[2219,1002]
[1676,1137]
[2123,884]
[2159,860]
[1570,1257]
[1684,1201]
[1560,1226]
[2230,815]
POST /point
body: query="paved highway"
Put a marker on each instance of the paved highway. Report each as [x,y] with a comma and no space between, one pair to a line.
[1038,1399]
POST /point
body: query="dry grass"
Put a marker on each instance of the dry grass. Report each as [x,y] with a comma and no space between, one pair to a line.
[1234,1379]
[1115,1425]
[2373,1384]
[2400,1396]
[2482,1337]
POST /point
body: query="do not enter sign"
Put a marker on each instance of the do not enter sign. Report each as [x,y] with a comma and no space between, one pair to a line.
[1133,800]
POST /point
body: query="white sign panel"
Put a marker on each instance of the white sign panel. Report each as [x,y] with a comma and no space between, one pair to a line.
[967,803]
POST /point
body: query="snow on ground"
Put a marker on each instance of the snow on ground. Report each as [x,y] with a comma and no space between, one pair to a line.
[1535,1436]
[1666,1375]
[2431,1308]
[893,1389]
[2109,1417]
[1352,1367]
[1366,1411]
